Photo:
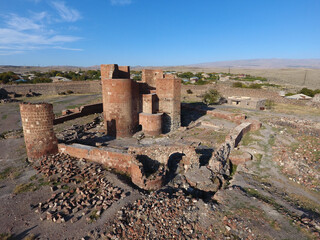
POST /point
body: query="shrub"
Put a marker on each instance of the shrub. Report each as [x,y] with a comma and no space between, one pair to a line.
[270,104]
[307,91]
[189,91]
[289,94]
[212,96]
[200,82]
[69,92]
[255,86]
[238,85]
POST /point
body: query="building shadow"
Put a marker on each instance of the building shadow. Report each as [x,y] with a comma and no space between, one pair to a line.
[191,112]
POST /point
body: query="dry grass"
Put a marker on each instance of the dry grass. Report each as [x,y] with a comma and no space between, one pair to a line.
[290,76]
[296,110]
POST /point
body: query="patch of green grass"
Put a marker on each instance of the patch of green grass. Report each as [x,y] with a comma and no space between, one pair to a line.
[272,140]
[43,182]
[219,137]
[34,177]
[5,236]
[303,202]
[30,237]
[233,169]
[74,106]
[24,187]
[247,139]
[4,116]
[94,216]
[10,172]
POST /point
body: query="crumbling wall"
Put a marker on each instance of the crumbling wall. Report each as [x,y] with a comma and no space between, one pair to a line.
[55,88]
[168,91]
[162,153]
[79,112]
[113,71]
[140,178]
[37,123]
[150,76]
[111,158]
[233,117]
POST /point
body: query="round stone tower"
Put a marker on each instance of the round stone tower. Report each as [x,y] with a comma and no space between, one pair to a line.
[37,122]
[118,106]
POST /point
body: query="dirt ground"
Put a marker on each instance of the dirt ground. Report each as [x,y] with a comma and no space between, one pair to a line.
[275,195]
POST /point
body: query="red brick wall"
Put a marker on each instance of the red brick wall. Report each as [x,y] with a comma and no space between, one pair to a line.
[114,71]
[112,159]
[149,76]
[149,103]
[37,123]
[169,94]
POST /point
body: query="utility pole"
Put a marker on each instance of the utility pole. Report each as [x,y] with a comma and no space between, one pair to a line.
[305,78]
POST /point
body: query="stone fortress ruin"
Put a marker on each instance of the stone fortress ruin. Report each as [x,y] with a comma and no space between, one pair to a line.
[153,106]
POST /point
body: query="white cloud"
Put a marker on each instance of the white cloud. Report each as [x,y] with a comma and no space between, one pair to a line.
[70,49]
[8,53]
[121,2]
[36,31]
[66,13]
[11,38]
[21,23]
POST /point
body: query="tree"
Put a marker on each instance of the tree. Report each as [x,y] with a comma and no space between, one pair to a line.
[212,96]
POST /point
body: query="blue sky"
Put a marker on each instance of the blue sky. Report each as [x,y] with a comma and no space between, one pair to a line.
[156,32]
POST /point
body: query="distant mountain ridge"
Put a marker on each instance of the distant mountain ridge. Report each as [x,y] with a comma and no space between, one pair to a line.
[262,63]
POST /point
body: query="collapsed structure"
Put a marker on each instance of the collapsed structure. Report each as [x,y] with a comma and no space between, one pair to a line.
[247,102]
[154,105]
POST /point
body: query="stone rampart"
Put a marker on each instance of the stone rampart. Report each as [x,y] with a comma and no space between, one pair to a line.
[55,88]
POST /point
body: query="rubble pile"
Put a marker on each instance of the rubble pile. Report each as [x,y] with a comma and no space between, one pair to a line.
[159,216]
[301,161]
[303,126]
[78,133]
[79,188]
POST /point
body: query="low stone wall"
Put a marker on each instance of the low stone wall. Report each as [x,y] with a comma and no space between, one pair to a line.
[233,117]
[83,111]
[55,88]
[111,158]
[237,133]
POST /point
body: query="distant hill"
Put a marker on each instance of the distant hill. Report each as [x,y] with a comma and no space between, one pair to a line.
[262,63]
[24,69]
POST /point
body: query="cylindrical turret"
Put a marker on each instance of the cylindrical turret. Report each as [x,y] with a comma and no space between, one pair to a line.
[37,122]
[151,123]
[117,106]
